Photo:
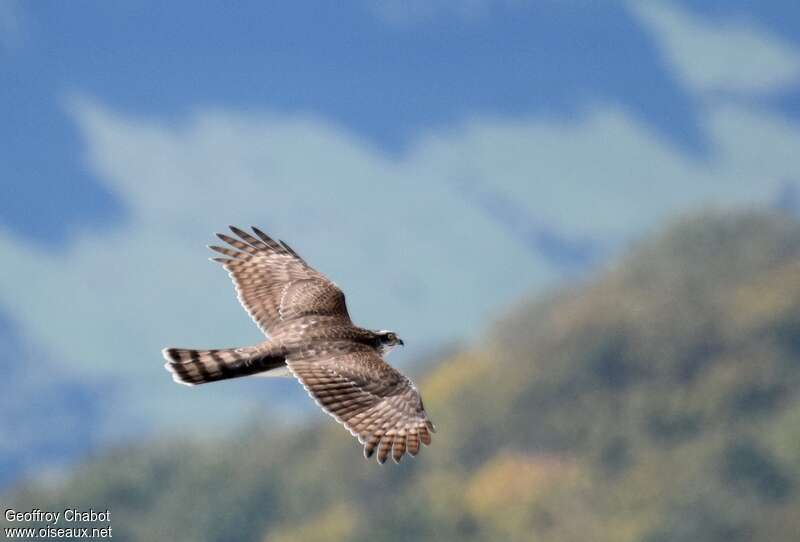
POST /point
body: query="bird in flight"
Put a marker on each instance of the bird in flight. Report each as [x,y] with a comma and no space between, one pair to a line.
[311,337]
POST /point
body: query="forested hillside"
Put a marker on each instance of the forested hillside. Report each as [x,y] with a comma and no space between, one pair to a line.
[658,401]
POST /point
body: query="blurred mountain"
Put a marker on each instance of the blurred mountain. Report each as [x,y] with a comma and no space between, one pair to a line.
[657,402]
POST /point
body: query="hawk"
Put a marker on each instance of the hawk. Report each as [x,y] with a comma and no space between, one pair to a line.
[311,337]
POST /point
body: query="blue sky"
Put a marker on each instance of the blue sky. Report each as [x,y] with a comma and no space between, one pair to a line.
[439,160]
[364,65]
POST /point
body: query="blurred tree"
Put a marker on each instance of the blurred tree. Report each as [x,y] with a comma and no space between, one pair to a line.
[658,402]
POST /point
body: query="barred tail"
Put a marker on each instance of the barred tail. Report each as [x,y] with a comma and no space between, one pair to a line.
[192,367]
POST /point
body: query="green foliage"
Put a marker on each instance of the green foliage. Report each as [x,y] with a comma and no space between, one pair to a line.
[659,402]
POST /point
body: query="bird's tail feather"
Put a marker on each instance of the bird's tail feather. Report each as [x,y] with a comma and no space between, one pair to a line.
[192,367]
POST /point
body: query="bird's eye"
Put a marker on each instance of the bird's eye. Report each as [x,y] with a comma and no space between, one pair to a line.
[391,336]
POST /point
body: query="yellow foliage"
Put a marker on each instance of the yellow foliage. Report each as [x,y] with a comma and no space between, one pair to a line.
[767,298]
[336,523]
[514,493]
[443,494]
[453,375]
[509,479]
[784,435]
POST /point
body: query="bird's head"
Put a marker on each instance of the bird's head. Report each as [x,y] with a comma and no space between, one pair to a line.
[387,340]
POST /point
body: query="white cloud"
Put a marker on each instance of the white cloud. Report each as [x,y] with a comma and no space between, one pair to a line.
[721,56]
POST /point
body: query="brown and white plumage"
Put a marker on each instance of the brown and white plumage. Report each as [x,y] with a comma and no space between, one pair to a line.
[311,337]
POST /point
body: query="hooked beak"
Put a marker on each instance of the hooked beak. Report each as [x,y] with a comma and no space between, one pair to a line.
[400,342]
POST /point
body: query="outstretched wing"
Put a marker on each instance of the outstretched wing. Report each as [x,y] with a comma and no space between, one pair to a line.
[274,284]
[377,404]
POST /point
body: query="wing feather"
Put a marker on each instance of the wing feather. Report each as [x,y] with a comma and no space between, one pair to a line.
[273,283]
[377,404]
